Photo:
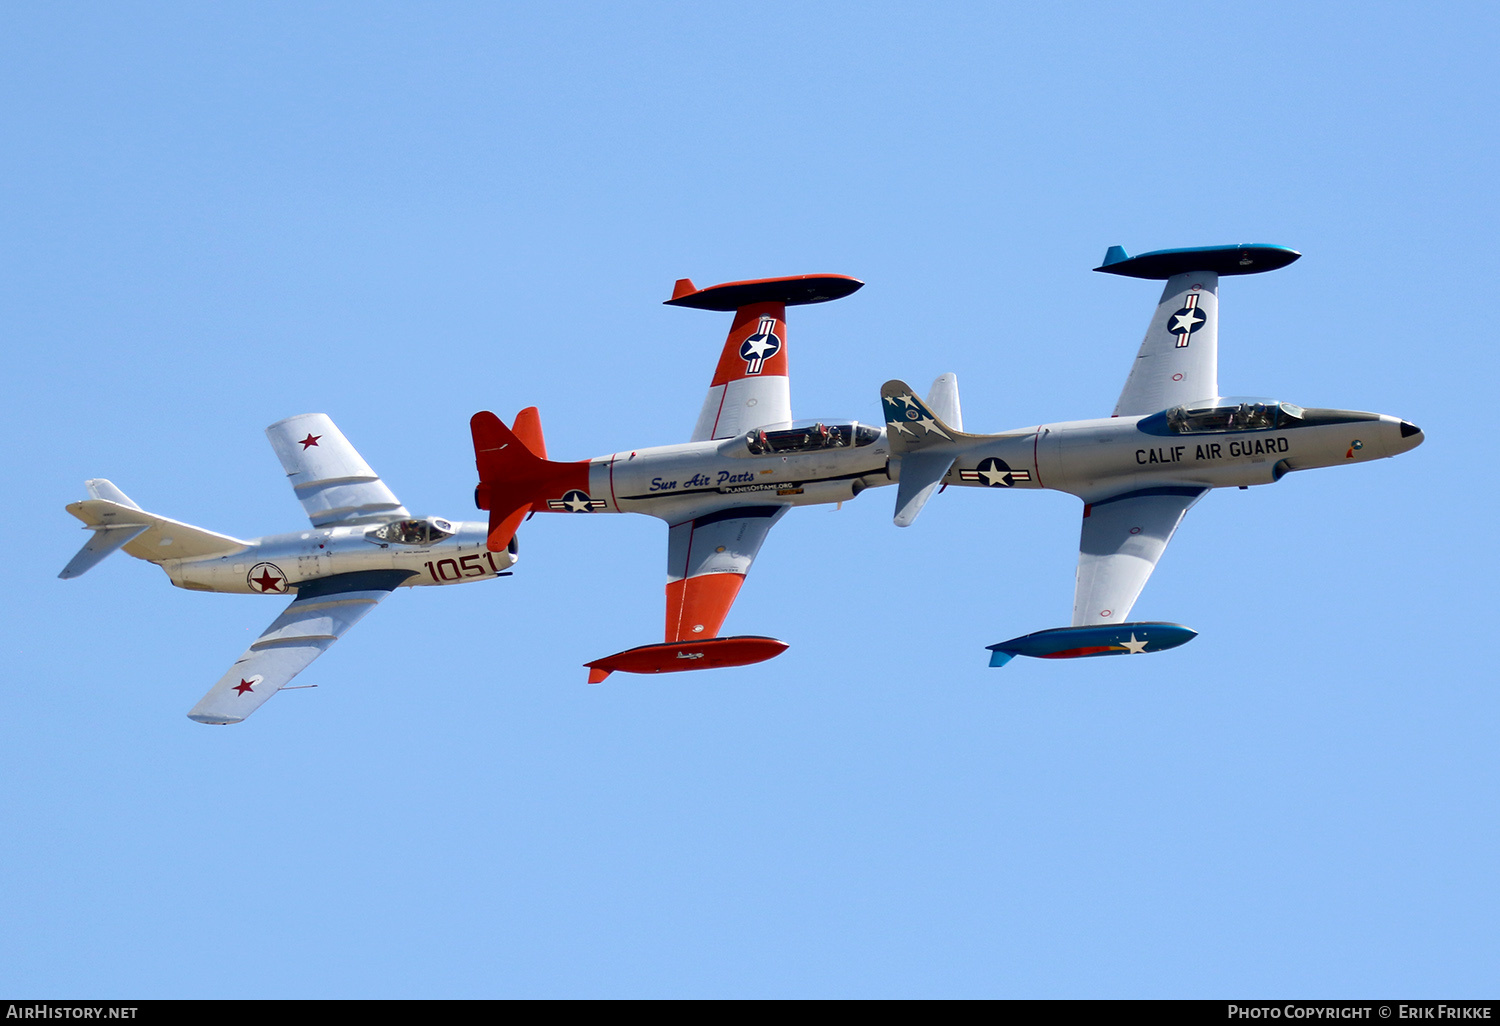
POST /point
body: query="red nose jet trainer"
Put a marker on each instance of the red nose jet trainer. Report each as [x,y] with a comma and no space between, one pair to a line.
[1171,439]
[721,492]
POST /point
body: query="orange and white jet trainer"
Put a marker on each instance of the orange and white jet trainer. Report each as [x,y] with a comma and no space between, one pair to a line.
[720,493]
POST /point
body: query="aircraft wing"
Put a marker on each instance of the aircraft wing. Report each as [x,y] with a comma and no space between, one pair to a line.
[1123,537]
[322,611]
[332,481]
[707,559]
[750,386]
[1179,358]
[708,555]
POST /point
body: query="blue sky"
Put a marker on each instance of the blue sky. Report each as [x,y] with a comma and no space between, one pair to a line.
[219,216]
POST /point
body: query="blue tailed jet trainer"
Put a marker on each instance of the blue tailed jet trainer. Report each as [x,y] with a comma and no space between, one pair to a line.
[1171,438]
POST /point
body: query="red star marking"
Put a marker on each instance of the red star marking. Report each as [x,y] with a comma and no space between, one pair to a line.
[311,439]
[243,686]
[266,581]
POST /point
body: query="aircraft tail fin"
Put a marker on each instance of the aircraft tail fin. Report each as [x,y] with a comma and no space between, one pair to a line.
[927,437]
[118,523]
[926,443]
[528,428]
[942,399]
[913,425]
[99,488]
[515,476]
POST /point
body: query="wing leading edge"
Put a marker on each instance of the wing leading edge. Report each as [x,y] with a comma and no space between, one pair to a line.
[750,386]
[332,481]
[1179,358]
[1122,539]
[321,613]
[707,559]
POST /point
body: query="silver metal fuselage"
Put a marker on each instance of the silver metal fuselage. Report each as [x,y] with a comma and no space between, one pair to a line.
[1094,459]
[1089,458]
[324,551]
[674,482]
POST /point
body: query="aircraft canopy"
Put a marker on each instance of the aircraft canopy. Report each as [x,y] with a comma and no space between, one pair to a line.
[808,436]
[412,532]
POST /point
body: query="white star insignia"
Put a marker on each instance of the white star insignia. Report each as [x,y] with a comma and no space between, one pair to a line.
[993,475]
[1188,321]
[1134,647]
[758,347]
[906,398]
[577,504]
[903,428]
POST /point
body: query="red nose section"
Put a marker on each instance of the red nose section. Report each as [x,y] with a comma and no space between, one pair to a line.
[677,656]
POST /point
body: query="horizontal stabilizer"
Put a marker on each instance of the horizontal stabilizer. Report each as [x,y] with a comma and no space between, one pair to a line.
[104,541]
[921,473]
[1161,264]
[675,657]
[111,531]
[1081,642]
[150,537]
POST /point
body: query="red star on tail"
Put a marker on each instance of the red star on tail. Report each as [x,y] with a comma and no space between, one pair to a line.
[311,439]
[243,686]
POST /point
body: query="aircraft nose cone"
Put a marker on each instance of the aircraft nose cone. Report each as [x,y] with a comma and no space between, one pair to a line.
[1408,429]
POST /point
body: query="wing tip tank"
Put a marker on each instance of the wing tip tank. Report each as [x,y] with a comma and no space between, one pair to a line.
[677,656]
[1140,638]
[1158,265]
[795,290]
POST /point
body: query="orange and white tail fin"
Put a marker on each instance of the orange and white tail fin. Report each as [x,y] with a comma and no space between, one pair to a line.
[750,386]
[515,477]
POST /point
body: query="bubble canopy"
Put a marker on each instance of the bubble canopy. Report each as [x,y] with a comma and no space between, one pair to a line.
[808,436]
[412,532]
[1241,413]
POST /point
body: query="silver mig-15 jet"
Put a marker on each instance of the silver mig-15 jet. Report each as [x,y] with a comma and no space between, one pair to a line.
[1172,437]
[363,544]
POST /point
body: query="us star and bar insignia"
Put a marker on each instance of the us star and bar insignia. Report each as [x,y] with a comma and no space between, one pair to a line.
[1186,321]
[761,346]
[994,473]
[576,501]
